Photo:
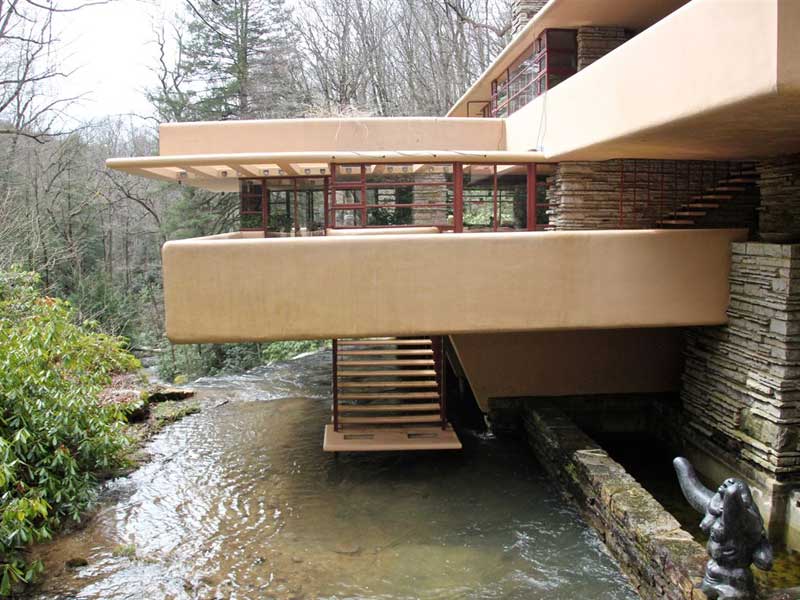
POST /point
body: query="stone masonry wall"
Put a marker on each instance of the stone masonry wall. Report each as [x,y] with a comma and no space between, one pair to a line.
[522,11]
[596,42]
[430,194]
[780,197]
[587,195]
[741,387]
[661,559]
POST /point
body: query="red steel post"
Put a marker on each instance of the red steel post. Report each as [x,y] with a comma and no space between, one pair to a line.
[458,197]
[531,191]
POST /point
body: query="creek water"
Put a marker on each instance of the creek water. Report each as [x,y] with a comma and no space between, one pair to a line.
[239,501]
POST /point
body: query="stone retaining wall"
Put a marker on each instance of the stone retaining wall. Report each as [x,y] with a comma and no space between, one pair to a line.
[742,380]
[661,559]
[780,196]
[741,389]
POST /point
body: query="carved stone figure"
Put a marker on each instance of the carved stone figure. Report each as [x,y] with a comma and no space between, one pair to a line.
[736,535]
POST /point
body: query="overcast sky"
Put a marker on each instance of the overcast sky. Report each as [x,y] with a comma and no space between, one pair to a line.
[112,51]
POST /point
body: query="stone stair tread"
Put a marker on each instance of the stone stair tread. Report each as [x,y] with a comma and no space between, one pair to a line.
[418,407]
[390,420]
[422,362]
[386,342]
[712,196]
[389,396]
[675,222]
[388,384]
[393,373]
[406,352]
[410,437]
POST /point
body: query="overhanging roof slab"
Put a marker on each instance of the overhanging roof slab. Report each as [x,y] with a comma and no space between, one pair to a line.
[713,80]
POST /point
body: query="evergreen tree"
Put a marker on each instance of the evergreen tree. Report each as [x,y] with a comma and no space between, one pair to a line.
[235,60]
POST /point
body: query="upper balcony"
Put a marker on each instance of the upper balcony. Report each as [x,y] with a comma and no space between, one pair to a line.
[710,80]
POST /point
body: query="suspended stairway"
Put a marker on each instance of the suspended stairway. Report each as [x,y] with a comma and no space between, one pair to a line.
[388,394]
[729,201]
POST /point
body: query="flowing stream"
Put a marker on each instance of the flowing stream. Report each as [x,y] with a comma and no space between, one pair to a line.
[239,501]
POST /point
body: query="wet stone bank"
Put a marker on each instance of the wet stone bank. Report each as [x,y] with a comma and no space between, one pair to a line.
[240,502]
[660,549]
[660,557]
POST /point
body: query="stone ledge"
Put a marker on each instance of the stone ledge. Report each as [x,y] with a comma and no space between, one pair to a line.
[660,558]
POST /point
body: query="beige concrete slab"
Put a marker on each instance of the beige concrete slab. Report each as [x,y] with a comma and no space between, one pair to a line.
[245,289]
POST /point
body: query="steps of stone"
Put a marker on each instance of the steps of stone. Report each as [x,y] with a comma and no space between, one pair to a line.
[729,188]
[408,437]
[388,384]
[392,373]
[390,396]
[390,420]
[675,222]
[404,352]
[712,196]
[422,362]
[386,342]
[381,408]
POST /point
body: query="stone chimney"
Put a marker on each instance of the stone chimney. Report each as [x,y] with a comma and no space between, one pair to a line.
[522,11]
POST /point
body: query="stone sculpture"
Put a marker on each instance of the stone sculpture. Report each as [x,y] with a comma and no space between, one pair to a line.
[736,535]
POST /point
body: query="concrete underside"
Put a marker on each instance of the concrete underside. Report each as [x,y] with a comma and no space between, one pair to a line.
[570,363]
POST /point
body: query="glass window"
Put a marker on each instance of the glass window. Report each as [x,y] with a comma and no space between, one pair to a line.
[553,53]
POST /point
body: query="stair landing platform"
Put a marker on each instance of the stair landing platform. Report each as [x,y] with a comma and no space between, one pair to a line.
[388,439]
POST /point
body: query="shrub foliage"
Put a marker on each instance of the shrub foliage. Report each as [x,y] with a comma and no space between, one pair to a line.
[54,435]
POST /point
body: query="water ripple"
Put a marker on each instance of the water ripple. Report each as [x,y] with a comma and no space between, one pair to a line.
[240,502]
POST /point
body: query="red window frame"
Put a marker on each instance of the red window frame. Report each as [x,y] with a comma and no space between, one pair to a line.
[540,52]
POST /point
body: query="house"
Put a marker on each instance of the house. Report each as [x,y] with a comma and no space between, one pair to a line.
[608,210]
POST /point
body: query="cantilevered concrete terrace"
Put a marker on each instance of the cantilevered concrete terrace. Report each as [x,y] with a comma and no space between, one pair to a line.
[236,288]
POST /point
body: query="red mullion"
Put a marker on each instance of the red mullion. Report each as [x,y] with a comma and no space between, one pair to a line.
[661,194]
[296,211]
[531,190]
[495,214]
[621,189]
[458,197]
[635,186]
[264,206]
[519,92]
[266,210]
[363,194]
[335,383]
[332,199]
[325,205]
[649,198]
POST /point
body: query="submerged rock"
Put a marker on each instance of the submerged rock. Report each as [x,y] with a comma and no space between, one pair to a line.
[77,562]
[161,393]
[347,549]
